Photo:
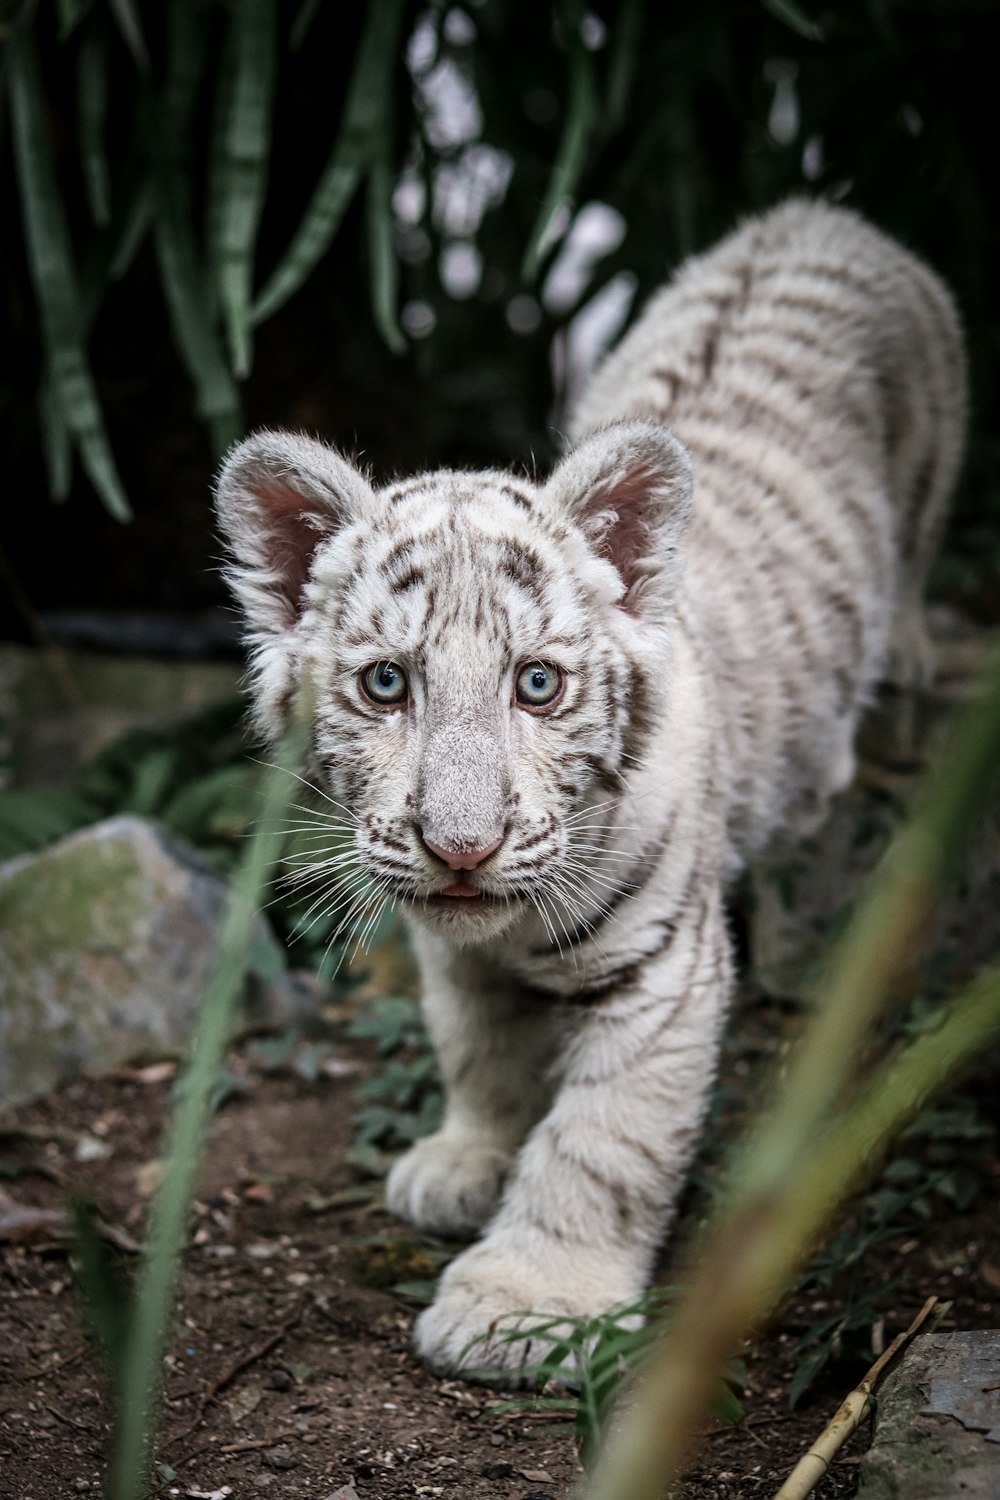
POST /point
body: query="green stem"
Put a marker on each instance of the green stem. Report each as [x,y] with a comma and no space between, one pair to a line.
[146,1342]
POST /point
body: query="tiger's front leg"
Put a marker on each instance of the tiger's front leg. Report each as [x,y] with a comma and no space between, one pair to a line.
[585,1210]
[495,1050]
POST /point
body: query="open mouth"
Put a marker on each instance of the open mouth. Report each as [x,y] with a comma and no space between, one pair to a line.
[461,890]
[462,896]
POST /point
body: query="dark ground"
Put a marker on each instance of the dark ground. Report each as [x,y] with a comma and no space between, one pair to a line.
[288,1375]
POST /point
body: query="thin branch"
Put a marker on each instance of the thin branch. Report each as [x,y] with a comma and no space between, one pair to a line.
[236,1368]
[813,1465]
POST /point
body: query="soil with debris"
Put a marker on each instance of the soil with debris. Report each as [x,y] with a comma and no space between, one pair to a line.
[290,1370]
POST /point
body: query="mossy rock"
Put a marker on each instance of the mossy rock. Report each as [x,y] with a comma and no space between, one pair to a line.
[106,939]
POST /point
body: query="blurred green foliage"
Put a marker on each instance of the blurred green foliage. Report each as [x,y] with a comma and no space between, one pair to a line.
[239,155]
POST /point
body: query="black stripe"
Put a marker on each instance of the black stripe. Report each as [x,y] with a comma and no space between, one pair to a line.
[516,495]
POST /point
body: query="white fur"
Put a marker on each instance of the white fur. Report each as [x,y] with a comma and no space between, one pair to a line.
[718,640]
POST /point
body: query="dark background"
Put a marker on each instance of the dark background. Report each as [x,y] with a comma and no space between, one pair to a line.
[673,132]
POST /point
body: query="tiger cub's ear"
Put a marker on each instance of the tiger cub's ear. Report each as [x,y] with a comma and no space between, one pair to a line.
[629,489]
[278,497]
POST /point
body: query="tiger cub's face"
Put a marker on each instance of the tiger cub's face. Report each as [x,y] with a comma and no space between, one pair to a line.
[482,657]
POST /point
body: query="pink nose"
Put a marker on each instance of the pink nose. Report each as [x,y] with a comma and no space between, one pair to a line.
[463,859]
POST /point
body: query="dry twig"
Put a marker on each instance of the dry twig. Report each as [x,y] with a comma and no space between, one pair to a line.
[236,1368]
[813,1465]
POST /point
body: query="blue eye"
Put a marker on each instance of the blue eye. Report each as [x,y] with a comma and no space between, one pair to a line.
[384,683]
[538,685]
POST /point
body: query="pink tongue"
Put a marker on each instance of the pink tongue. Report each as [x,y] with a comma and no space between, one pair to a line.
[460,889]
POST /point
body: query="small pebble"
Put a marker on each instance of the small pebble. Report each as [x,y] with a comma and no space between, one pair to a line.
[280,1380]
[280,1458]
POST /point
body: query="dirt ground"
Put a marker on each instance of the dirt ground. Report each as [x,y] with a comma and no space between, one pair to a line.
[290,1373]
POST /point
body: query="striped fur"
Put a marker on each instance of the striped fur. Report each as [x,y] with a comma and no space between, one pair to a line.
[717,641]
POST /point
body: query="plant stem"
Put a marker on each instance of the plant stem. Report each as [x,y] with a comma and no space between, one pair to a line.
[140,1386]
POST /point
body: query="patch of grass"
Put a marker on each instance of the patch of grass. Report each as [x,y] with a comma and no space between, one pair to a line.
[591,1361]
[943,1165]
[404,1100]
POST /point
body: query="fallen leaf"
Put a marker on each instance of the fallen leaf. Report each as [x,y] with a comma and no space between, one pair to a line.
[155,1073]
[536,1476]
[90,1148]
[990,1274]
[243,1401]
[148,1177]
[21,1221]
[340,1067]
[348,1197]
[258,1192]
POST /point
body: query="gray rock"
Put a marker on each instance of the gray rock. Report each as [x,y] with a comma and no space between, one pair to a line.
[937,1428]
[106,940]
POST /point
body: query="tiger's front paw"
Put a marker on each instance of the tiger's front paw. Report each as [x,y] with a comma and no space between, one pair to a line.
[448,1184]
[493,1290]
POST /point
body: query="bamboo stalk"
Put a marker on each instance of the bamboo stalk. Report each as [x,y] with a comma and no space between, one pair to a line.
[812,1466]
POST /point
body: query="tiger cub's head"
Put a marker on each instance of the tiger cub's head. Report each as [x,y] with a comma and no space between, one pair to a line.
[483,656]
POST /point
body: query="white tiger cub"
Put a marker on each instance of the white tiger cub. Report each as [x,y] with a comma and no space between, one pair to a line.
[559,716]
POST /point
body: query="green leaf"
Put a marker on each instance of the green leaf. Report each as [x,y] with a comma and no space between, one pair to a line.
[70,14]
[416,1291]
[368,105]
[368,1160]
[127,19]
[239,166]
[57,444]
[303,20]
[135,226]
[391,1022]
[92,107]
[154,775]
[581,120]
[185,282]
[726,1404]
[382,257]
[213,807]
[795,18]
[53,273]
[625,41]
[807,1370]
[102,1289]
[34,817]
